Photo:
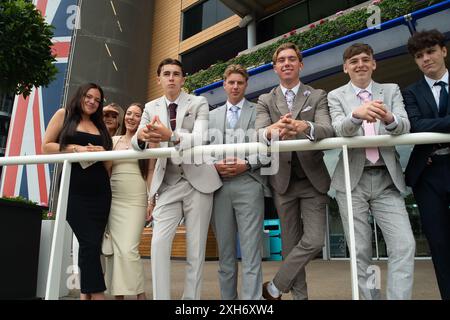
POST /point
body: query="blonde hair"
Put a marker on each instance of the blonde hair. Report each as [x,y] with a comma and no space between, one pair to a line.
[235,68]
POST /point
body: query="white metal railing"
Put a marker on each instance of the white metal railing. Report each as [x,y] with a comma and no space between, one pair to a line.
[54,275]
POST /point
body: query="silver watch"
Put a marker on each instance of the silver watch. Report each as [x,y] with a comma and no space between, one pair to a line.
[173,137]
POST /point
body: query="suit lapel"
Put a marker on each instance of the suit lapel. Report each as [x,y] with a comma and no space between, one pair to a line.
[161,111]
[300,100]
[221,119]
[246,114]
[280,101]
[377,94]
[182,109]
[352,101]
[429,98]
[448,101]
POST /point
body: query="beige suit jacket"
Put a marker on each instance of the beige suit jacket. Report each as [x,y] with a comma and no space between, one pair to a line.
[192,129]
[310,105]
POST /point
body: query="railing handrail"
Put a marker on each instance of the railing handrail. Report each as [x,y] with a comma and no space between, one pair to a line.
[54,274]
[252,147]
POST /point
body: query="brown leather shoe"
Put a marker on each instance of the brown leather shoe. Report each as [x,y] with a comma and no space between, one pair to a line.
[265,293]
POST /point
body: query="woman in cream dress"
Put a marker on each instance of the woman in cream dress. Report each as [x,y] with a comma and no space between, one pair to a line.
[124,274]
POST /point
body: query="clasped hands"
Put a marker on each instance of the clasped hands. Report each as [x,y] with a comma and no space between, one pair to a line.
[154,132]
[230,167]
[287,127]
[372,111]
[88,148]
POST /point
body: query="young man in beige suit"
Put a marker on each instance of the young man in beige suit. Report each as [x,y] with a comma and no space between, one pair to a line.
[364,107]
[294,110]
[184,189]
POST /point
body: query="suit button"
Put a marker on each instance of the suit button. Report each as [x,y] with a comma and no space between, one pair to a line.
[289,162]
[179,165]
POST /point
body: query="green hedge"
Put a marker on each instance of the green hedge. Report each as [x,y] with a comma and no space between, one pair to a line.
[320,33]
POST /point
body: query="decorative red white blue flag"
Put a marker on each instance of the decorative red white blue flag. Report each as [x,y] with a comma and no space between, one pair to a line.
[30,116]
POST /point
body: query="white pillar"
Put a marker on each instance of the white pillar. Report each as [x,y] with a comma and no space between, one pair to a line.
[251,34]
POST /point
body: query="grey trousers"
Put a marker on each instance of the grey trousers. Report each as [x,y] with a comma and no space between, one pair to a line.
[174,203]
[376,193]
[302,213]
[239,207]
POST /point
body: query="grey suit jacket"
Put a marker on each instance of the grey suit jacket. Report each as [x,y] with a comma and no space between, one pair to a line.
[342,101]
[191,127]
[246,123]
[310,105]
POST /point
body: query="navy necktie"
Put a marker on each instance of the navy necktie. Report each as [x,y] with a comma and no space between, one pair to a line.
[173,115]
[443,98]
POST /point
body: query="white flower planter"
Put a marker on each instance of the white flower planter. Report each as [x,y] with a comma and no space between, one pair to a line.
[44,258]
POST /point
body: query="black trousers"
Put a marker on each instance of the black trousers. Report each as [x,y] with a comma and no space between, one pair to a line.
[88,220]
[432,193]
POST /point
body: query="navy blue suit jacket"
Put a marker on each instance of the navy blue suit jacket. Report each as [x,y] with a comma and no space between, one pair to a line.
[423,116]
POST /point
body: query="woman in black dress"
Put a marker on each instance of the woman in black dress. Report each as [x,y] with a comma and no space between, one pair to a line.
[80,128]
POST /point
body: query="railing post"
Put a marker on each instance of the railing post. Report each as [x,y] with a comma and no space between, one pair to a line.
[351,230]
[56,253]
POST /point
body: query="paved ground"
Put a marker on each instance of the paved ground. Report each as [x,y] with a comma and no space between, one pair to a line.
[327,280]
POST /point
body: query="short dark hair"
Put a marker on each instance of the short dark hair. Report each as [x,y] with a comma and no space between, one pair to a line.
[235,68]
[424,39]
[285,46]
[169,61]
[355,49]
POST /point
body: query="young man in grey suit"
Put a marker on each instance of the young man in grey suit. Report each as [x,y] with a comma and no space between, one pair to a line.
[239,203]
[184,189]
[294,110]
[363,107]
[428,171]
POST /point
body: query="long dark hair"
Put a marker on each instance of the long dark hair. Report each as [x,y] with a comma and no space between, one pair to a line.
[143,163]
[74,112]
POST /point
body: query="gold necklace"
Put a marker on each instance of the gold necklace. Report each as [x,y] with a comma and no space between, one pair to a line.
[125,143]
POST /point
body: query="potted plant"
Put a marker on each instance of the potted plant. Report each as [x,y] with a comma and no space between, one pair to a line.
[20,232]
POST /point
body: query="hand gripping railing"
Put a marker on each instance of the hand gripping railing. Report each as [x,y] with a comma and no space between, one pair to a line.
[54,274]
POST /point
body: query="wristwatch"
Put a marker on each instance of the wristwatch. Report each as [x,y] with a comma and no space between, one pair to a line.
[247,163]
[173,137]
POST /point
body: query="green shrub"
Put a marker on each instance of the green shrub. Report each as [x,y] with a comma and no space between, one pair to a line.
[46,215]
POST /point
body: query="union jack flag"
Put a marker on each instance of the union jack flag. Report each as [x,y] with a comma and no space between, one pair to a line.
[30,116]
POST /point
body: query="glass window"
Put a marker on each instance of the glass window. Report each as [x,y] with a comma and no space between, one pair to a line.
[317,9]
[220,49]
[298,16]
[282,22]
[203,16]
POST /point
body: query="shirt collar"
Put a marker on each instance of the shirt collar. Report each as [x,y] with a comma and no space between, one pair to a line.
[431,82]
[358,90]
[240,105]
[169,102]
[295,89]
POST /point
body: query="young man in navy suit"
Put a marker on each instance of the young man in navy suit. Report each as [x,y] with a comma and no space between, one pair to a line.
[428,170]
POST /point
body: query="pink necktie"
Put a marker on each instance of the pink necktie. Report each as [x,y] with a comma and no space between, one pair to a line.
[372,154]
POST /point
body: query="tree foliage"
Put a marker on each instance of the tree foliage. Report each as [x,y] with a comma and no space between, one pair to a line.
[26,58]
